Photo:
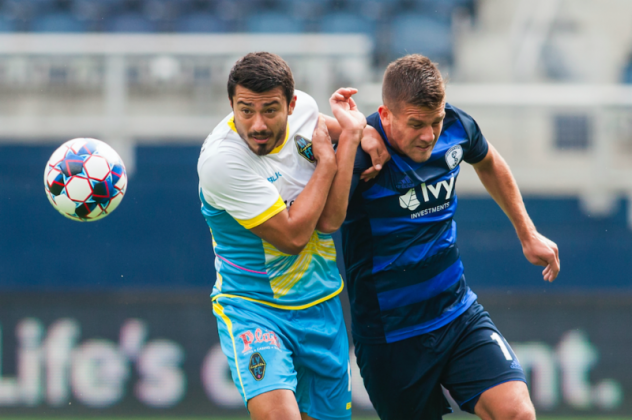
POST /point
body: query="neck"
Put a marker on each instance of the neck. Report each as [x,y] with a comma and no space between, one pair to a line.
[282,137]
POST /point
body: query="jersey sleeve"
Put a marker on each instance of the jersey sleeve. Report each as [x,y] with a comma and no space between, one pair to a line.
[362,159]
[361,164]
[478,146]
[232,185]
[305,114]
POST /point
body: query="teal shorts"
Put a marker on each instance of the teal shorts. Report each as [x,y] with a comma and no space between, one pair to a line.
[306,351]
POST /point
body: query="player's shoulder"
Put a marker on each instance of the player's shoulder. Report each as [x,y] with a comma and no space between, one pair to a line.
[223,146]
[454,114]
[362,161]
[305,101]
[306,107]
[452,111]
[373,120]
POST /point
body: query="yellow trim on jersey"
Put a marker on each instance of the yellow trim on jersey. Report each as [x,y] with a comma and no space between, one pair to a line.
[213,239]
[219,282]
[282,284]
[231,124]
[219,309]
[274,209]
[287,136]
[290,308]
[286,270]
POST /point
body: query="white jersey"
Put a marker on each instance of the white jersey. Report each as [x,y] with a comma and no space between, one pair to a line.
[241,190]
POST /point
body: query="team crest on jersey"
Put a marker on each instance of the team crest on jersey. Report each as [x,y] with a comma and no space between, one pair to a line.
[257,366]
[304,147]
[453,156]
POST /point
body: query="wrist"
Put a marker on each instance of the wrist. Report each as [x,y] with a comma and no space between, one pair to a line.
[327,161]
[526,233]
[351,136]
[352,131]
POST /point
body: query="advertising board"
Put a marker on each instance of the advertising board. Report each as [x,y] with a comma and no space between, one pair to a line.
[148,353]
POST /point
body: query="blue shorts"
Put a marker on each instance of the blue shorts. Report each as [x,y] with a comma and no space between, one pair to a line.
[468,356]
[306,351]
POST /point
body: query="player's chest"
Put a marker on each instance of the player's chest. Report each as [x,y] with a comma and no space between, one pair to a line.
[397,194]
[288,171]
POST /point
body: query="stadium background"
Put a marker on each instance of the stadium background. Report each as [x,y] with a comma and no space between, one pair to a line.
[113,318]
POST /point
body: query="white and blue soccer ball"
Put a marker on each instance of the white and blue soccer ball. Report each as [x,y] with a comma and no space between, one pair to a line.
[85,179]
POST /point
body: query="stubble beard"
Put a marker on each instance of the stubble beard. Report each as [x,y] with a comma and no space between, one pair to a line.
[265,149]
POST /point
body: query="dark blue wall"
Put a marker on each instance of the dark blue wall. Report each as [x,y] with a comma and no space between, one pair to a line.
[157,238]
[594,252]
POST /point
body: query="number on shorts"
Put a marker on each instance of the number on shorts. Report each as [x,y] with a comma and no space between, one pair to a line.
[501,343]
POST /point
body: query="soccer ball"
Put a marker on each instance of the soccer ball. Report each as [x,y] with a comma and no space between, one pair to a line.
[85,179]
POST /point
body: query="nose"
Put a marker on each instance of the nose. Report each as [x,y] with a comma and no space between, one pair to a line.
[427,135]
[259,123]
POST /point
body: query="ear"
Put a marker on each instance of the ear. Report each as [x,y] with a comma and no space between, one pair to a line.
[230,100]
[385,114]
[291,106]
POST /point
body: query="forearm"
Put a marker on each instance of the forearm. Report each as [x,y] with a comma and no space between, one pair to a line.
[305,211]
[333,127]
[335,208]
[497,178]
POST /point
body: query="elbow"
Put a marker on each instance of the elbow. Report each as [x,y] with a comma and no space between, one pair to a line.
[294,247]
[328,226]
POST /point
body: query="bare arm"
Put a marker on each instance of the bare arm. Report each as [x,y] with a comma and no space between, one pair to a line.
[371,142]
[333,127]
[290,230]
[496,176]
[351,123]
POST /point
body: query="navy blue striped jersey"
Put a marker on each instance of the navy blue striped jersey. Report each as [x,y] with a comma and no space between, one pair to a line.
[404,273]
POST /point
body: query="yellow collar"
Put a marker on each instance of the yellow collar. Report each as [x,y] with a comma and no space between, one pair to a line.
[231,124]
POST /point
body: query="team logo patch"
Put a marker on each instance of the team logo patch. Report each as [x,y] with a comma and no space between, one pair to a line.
[257,366]
[453,156]
[304,147]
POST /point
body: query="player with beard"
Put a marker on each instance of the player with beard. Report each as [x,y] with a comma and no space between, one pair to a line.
[416,324]
[265,174]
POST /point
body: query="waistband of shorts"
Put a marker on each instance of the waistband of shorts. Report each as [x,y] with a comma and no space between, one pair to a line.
[278,306]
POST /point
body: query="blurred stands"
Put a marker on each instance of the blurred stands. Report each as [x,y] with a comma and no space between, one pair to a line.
[396,26]
[544,41]
[273,22]
[196,22]
[58,22]
[130,22]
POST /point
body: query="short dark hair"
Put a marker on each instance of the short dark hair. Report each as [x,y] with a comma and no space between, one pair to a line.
[261,72]
[413,80]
